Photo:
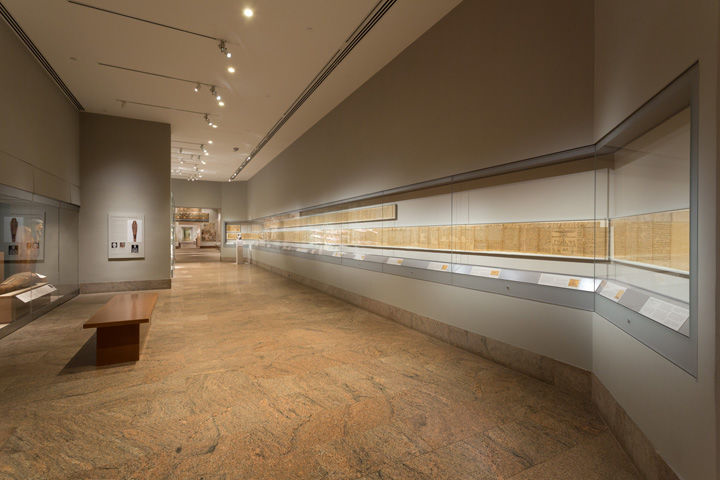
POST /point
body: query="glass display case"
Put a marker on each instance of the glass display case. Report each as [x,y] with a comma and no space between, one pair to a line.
[605,228]
[239,231]
[512,226]
[39,252]
[644,193]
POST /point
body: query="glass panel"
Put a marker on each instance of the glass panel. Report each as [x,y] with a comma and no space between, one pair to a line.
[537,220]
[39,252]
[644,196]
[421,228]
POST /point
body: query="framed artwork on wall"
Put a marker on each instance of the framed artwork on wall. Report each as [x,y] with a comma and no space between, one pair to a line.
[126,236]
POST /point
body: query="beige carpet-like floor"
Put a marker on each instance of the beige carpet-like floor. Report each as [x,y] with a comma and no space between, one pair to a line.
[247,375]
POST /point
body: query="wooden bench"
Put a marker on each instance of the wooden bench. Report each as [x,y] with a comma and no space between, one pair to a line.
[118,327]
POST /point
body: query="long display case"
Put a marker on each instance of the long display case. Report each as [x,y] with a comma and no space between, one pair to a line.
[38,256]
[606,229]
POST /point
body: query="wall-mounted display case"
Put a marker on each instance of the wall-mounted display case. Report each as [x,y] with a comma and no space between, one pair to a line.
[606,228]
[39,267]
[239,231]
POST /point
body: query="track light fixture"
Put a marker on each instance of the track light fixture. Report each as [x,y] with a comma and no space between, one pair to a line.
[207,120]
[197,87]
[223,49]
[231,69]
[214,93]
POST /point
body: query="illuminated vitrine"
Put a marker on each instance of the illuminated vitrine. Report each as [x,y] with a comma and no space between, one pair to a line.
[606,228]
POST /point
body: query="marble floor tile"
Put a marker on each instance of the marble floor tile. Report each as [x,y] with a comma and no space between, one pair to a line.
[247,374]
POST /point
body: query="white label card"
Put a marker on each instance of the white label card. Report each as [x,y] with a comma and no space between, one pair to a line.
[440,267]
[359,256]
[613,291]
[35,293]
[485,272]
[668,314]
[395,261]
[562,281]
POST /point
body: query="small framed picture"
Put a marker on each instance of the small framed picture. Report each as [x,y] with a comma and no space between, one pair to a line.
[113,244]
[134,248]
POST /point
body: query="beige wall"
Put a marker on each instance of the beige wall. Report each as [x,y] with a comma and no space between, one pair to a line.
[124,168]
[39,133]
[492,82]
[640,47]
[196,194]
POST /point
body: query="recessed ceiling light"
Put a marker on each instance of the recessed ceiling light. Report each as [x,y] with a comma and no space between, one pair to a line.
[231,69]
[248,12]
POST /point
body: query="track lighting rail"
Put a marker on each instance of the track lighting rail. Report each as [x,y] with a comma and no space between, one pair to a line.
[144,20]
[160,75]
[164,107]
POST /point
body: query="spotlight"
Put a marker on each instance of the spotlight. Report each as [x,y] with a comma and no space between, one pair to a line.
[221,103]
[210,142]
[214,125]
[203,162]
[197,88]
[231,69]
[223,49]
[248,12]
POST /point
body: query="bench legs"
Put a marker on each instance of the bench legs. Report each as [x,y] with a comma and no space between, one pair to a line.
[118,344]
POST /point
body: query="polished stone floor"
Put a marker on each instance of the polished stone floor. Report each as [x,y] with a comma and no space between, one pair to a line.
[247,375]
[197,255]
